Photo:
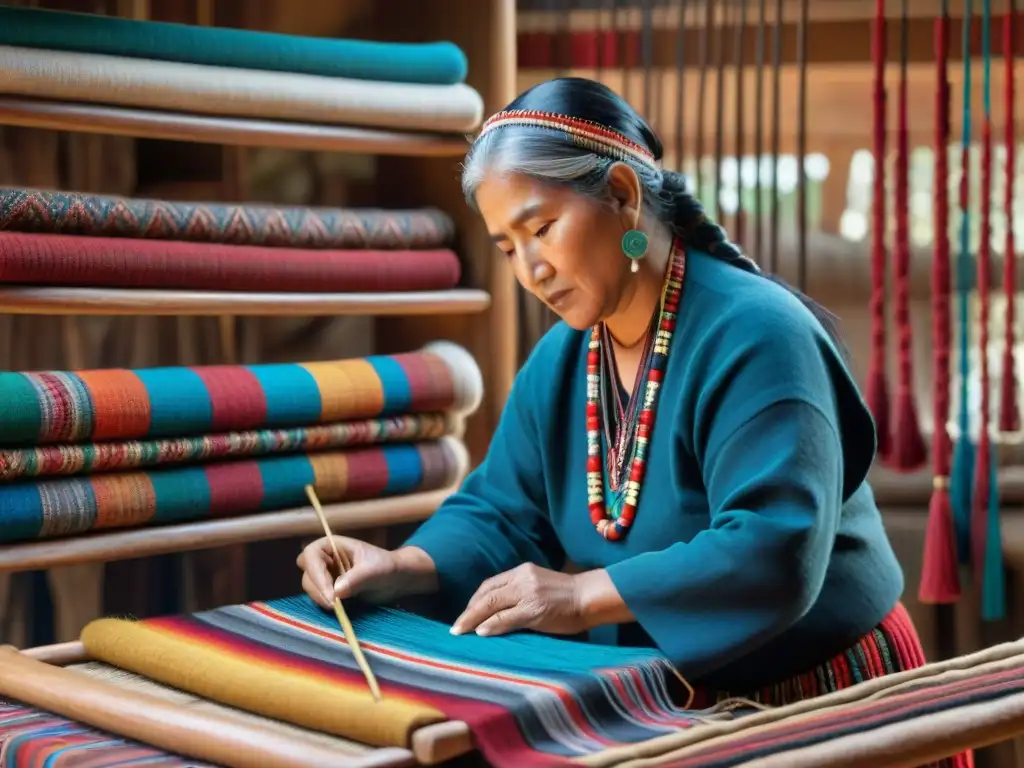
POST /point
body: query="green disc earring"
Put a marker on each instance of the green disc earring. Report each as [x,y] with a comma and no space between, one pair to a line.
[634,245]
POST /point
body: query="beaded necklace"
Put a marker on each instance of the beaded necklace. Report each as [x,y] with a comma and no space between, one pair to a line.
[614,527]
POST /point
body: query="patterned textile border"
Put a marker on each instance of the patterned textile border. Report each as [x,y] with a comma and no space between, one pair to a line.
[118,262]
[70,506]
[30,738]
[50,460]
[117,404]
[73,213]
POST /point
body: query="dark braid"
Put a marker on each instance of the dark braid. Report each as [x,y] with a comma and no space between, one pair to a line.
[690,222]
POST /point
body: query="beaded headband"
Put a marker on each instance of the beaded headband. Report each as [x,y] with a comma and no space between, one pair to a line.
[584,133]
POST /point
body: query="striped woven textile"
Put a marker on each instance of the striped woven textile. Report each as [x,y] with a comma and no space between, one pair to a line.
[33,739]
[437,62]
[74,260]
[530,700]
[58,460]
[39,408]
[71,506]
[73,213]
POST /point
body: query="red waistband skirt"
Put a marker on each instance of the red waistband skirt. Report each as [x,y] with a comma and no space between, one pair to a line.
[892,646]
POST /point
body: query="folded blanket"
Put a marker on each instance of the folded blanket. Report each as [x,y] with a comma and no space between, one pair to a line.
[74,213]
[75,260]
[121,455]
[37,408]
[98,79]
[440,63]
[70,506]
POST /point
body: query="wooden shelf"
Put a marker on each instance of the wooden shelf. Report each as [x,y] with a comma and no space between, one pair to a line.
[124,301]
[186,537]
[238,132]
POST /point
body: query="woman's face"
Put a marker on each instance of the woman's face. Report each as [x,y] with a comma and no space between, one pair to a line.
[565,248]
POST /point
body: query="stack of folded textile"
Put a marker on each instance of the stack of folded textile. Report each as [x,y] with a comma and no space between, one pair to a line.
[238,73]
[94,450]
[70,239]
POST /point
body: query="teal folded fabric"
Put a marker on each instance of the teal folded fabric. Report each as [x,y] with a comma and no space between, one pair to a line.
[438,63]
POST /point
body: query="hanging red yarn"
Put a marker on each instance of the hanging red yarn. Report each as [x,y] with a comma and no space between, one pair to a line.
[908,451]
[877,390]
[1009,411]
[940,578]
[983,464]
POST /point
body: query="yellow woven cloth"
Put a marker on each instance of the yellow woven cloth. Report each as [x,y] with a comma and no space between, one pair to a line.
[270,684]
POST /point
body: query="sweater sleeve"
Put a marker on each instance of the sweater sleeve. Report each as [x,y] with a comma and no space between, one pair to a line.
[768,438]
[498,518]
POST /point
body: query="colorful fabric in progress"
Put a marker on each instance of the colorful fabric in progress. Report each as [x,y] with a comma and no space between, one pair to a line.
[441,63]
[74,506]
[34,259]
[530,700]
[33,739]
[72,213]
[117,404]
[56,460]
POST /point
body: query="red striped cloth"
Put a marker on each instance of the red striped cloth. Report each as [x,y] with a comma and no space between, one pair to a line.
[70,260]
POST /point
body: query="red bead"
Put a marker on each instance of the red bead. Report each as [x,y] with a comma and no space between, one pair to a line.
[655,375]
[636,474]
[646,417]
[593,463]
[592,423]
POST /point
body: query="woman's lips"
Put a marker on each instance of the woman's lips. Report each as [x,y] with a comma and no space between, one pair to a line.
[558,298]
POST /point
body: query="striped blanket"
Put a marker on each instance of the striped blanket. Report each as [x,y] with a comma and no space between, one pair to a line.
[69,407]
[73,213]
[530,700]
[33,739]
[77,505]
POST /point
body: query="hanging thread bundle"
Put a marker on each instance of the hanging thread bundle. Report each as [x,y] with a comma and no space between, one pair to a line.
[940,578]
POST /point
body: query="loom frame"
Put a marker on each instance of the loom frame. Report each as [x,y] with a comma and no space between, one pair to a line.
[29,681]
[35,676]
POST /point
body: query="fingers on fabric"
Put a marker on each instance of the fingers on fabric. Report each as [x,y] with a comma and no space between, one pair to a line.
[519,616]
[315,592]
[315,565]
[481,608]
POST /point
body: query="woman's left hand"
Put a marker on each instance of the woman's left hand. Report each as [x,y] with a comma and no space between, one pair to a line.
[527,597]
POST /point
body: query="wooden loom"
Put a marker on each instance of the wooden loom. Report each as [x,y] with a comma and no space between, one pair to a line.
[105,703]
[62,679]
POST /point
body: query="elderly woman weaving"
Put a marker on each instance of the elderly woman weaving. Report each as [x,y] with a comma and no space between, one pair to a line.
[689,436]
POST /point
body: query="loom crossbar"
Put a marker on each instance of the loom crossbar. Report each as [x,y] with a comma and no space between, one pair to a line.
[37,677]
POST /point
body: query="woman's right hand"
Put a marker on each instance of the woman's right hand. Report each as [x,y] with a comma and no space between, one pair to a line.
[377,575]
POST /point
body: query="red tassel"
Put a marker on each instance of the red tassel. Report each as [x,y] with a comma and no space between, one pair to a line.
[1009,411]
[877,393]
[940,574]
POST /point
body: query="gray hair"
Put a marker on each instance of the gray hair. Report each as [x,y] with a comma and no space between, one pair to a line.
[545,155]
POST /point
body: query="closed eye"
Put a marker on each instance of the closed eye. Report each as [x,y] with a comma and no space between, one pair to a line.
[543,230]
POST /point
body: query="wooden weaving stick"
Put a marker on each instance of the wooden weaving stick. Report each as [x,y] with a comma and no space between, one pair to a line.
[339,610]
